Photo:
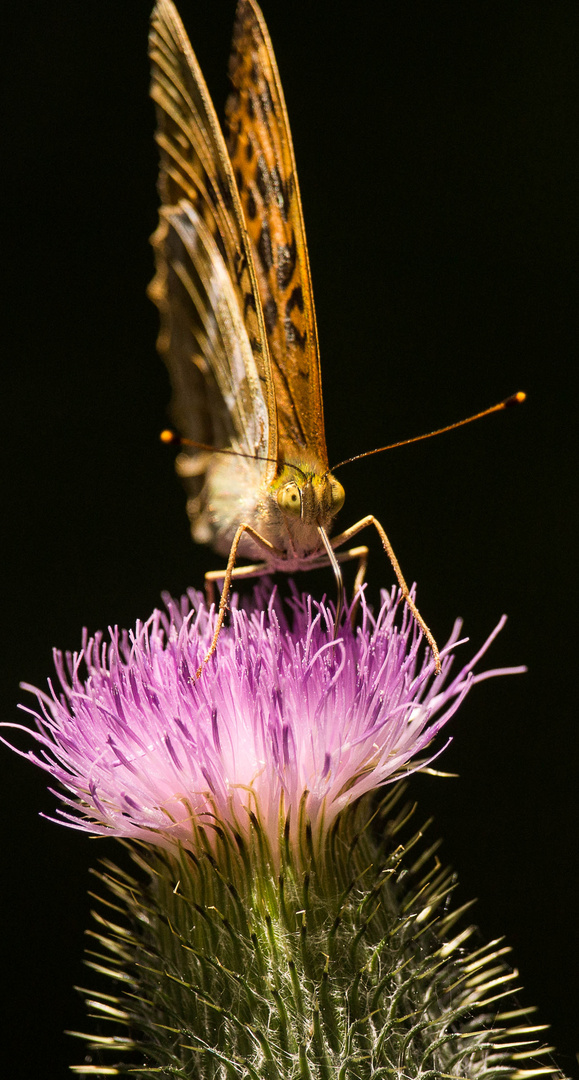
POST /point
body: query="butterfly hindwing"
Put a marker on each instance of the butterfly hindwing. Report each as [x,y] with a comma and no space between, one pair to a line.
[213,336]
[217,395]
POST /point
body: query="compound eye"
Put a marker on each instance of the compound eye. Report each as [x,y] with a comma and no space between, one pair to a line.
[338,495]
[289,499]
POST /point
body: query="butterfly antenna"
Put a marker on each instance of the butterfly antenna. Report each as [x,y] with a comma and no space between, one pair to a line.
[171,438]
[514,399]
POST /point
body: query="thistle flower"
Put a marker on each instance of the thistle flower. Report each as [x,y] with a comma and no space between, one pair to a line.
[280,923]
[287,723]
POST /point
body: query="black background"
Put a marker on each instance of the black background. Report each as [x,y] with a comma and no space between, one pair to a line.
[437,149]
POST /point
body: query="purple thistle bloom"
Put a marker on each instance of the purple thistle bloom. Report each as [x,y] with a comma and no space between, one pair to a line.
[284,719]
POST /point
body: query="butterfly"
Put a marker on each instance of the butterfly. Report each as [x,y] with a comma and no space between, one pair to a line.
[237,322]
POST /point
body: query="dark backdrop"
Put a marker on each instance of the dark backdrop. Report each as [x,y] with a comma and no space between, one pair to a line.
[437,154]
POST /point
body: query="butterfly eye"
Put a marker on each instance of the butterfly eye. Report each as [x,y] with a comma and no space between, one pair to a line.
[338,495]
[289,499]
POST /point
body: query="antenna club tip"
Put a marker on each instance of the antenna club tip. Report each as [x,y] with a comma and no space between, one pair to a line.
[516,399]
[167,436]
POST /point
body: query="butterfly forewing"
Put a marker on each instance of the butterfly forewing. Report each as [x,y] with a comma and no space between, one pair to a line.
[261,152]
[213,335]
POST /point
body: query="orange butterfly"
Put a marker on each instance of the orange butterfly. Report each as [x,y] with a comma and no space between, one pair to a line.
[238,329]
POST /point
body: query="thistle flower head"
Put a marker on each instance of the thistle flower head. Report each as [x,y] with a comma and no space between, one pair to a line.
[286,723]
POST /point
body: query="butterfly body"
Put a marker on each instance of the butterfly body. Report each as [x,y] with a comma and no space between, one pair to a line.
[287,512]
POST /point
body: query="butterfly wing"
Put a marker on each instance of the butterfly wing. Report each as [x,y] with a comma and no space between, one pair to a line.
[212,335]
[261,152]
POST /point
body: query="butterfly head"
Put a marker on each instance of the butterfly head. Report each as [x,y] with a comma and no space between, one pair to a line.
[306,494]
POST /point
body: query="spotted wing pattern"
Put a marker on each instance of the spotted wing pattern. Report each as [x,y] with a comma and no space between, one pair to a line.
[212,336]
[261,151]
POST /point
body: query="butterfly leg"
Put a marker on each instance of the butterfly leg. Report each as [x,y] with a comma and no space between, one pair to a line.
[232,571]
[361,554]
[255,570]
[346,536]
[212,576]
[210,579]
